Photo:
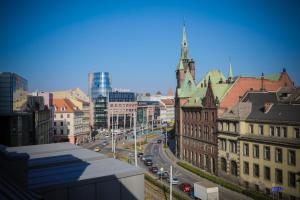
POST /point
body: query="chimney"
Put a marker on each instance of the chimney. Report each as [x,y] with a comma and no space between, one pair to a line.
[262,82]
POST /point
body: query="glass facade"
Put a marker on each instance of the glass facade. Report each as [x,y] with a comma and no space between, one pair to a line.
[13,92]
[98,89]
[99,84]
[121,97]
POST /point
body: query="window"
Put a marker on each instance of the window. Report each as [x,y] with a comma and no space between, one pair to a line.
[68,131]
[256,170]
[267,173]
[54,131]
[278,131]
[223,144]
[297,132]
[267,155]
[255,151]
[206,116]
[246,149]
[292,179]
[61,131]
[284,131]
[272,131]
[246,167]
[291,157]
[278,155]
[61,123]
[61,116]
[68,115]
[261,129]
[233,146]
[251,129]
[223,164]
[68,123]
[54,116]
[54,123]
[278,175]
[233,168]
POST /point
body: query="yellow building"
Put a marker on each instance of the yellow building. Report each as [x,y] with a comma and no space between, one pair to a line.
[260,148]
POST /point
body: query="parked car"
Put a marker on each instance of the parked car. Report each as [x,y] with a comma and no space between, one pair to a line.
[163,175]
[148,162]
[159,141]
[153,170]
[104,143]
[185,187]
[140,154]
[175,181]
[97,149]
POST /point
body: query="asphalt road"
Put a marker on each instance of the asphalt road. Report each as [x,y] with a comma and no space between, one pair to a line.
[161,160]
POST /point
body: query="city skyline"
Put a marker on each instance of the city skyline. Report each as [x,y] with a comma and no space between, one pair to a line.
[64,42]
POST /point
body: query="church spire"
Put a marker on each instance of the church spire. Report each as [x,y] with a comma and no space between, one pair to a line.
[184,45]
[230,74]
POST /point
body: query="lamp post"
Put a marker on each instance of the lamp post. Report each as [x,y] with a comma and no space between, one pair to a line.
[171,181]
[134,132]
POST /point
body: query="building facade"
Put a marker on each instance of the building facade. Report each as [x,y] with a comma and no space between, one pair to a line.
[226,91]
[148,114]
[68,124]
[99,86]
[13,93]
[167,111]
[259,144]
[121,107]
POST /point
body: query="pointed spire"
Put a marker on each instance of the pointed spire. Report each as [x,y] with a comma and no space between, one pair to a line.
[230,75]
[184,45]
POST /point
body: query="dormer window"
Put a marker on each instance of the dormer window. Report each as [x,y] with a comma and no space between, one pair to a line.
[63,108]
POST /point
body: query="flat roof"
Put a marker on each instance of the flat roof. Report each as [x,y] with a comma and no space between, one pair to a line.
[57,164]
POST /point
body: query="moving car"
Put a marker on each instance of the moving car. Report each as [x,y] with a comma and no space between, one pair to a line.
[148,162]
[97,149]
[175,181]
[147,157]
[153,170]
[185,187]
[159,141]
[140,154]
[163,175]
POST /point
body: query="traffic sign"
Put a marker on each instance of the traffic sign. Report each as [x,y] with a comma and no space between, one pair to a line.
[276,189]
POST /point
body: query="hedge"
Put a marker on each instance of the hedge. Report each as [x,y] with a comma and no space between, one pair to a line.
[253,194]
[157,183]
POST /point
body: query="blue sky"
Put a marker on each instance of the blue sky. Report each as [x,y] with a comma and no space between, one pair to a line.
[54,44]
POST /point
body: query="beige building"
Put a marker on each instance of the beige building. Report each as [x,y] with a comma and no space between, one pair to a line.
[68,125]
[259,143]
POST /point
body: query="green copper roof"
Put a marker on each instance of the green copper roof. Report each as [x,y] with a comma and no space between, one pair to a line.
[215,76]
[180,65]
[188,86]
[273,77]
[230,71]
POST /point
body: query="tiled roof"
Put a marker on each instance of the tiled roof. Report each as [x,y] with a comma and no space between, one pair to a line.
[64,105]
[170,102]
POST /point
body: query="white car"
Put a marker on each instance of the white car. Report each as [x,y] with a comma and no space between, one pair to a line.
[175,181]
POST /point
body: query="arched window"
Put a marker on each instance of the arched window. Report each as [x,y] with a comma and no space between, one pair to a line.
[233,168]
[223,164]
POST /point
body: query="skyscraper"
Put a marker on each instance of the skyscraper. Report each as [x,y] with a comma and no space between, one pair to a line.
[99,86]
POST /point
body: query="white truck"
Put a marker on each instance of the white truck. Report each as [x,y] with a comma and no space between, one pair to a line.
[206,190]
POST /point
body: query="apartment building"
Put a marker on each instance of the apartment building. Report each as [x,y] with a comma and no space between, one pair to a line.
[68,125]
[259,143]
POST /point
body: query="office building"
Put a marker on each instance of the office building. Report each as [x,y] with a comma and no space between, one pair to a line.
[99,86]
[148,114]
[121,107]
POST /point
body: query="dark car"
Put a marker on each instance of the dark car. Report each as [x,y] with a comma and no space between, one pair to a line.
[163,175]
[148,162]
[185,187]
[158,141]
[140,154]
[153,170]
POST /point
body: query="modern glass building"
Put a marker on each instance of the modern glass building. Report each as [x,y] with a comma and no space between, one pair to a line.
[99,84]
[13,92]
[122,97]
